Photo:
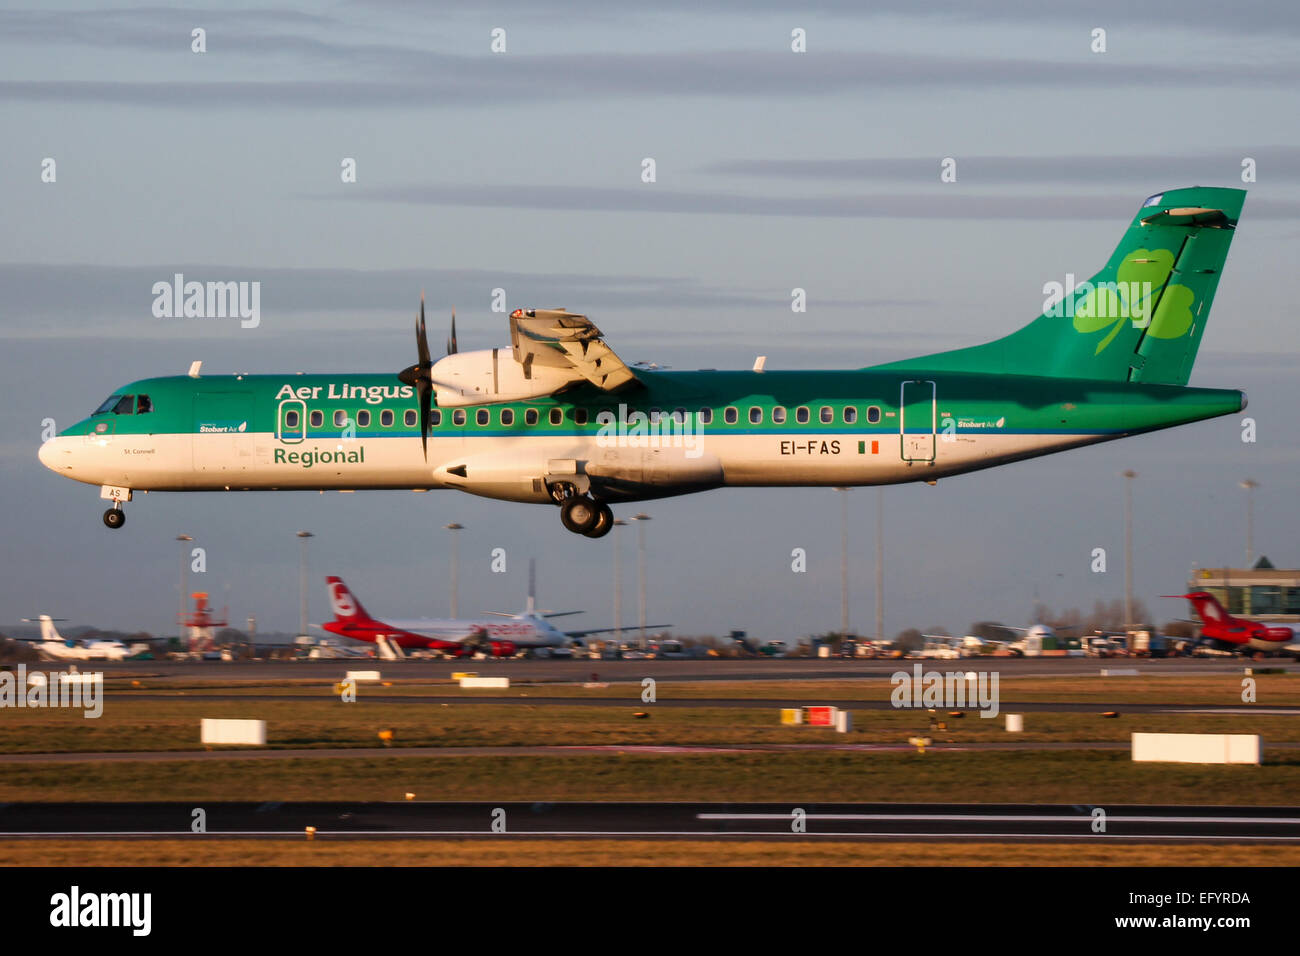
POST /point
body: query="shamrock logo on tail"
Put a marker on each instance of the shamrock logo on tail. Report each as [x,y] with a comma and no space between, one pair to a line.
[1140,278]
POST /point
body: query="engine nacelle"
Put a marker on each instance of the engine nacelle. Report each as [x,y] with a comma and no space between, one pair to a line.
[492,375]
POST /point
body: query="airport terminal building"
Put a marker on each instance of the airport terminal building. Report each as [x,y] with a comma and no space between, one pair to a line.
[1261,593]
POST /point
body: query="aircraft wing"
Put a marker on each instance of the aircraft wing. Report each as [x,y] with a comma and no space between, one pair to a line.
[609,630]
[441,630]
[557,338]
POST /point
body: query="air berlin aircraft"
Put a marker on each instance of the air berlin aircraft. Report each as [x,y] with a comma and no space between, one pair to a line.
[1220,629]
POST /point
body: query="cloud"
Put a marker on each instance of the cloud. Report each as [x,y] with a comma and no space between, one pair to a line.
[77,300]
[1278,162]
[942,202]
[430,79]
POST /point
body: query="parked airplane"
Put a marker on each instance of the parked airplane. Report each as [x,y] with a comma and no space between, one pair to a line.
[559,418]
[502,635]
[1222,631]
[53,646]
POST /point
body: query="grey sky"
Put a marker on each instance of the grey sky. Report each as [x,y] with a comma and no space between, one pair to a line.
[521,171]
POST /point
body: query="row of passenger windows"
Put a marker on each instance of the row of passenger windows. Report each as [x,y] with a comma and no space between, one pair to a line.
[579,416]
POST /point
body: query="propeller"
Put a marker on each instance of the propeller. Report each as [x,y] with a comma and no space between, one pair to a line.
[421,373]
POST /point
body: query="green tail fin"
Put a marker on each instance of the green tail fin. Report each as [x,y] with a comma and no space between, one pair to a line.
[1140,319]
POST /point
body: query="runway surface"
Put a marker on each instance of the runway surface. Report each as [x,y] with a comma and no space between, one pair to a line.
[621,670]
[872,821]
[565,750]
[633,700]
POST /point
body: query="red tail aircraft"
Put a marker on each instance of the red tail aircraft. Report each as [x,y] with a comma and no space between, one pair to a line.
[1220,629]
[352,620]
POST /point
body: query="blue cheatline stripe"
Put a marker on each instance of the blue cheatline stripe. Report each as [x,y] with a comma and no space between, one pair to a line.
[489,431]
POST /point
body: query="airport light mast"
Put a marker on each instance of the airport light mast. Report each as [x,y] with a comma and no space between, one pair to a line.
[1129,474]
[880,565]
[1250,485]
[302,582]
[640,519]
[618,581]
[844,564]
[183,538]
[455,528]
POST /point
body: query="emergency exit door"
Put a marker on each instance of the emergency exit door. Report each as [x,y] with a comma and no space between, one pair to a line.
[918,416]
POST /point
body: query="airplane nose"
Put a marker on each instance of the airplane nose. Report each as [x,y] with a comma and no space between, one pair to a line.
[54,454]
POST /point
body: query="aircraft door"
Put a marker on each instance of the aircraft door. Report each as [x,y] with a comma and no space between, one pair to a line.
[918,414]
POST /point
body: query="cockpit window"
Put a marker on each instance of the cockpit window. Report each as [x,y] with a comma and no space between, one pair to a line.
[143,405]
[118,405]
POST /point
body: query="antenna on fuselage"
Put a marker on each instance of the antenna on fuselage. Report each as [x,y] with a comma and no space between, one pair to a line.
[195,368]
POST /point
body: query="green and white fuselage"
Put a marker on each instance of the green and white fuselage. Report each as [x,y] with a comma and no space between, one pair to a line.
[607,433]
[240,433]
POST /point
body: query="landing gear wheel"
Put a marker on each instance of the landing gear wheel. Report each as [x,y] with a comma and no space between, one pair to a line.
[115,518]
[604,521]
[579,514]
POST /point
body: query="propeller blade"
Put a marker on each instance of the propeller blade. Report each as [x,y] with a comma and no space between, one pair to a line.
[420,376]
[451,342]
[425,389]
[422,338]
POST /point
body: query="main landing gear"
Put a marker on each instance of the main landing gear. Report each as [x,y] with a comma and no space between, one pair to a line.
[115,517]
[582,515]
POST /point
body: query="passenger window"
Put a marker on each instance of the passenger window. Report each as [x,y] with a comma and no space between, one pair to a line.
[142,405]
[482,416]
[827,415]
[706,416]
[873,414]
[458,417]
[755,415]
[557,416]
[317,418]
[363,418]
[679,416]
[655,415]
[530,416]
[386,418]
[801,414]
[580,416]
[291,419]
[126,406]
[730,415]
[778,414]
[507,416]
[435,417]
[340,419]
[850,414]
[410,418]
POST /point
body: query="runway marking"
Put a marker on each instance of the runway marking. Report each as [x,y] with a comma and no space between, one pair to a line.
[701,834]
[1009,817]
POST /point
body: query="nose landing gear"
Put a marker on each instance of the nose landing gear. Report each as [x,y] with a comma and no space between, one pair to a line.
[115,517]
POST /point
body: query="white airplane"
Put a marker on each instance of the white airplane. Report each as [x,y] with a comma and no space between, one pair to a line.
[945,647]
[53,646]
